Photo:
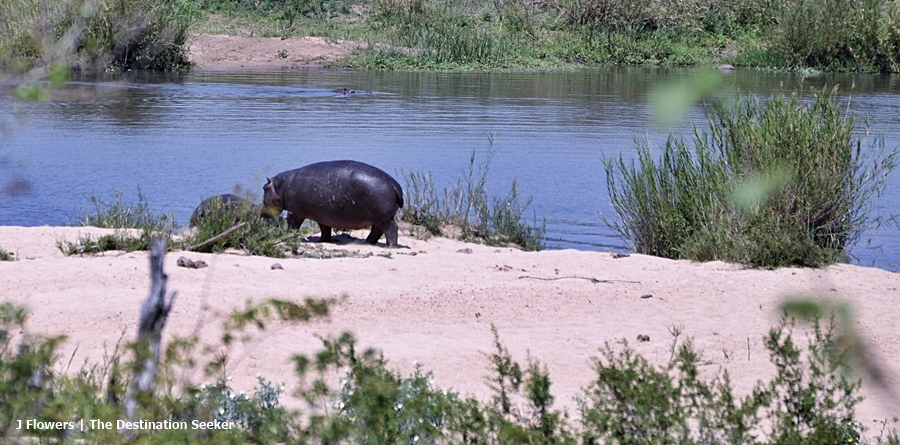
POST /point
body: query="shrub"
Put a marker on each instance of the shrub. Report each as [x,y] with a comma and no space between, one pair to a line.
[809,401]
[814,397]
[837,35]
[118,214]
[260,236]
[88,36]
[221,403]
[780,183]
[135,226]
[376,405]
[840,35]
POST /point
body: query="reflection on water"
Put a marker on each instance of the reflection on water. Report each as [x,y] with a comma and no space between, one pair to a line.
[183,137]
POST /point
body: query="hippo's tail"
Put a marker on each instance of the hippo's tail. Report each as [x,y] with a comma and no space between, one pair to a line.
[399,192]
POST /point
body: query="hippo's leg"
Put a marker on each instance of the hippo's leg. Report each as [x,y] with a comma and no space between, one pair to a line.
[389,228]
[374,235]
[326,234]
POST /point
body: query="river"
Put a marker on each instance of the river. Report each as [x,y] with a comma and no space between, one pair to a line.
[182,137]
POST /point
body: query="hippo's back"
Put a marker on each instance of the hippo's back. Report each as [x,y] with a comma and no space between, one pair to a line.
[341,193]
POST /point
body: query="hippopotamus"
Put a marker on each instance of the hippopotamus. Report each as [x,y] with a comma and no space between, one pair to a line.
[237,206]
[337,194]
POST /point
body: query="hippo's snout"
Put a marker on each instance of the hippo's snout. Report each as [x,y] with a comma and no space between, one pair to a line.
[270,212]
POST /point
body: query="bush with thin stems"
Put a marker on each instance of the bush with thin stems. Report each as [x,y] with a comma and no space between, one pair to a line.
[782,182]
[468,209]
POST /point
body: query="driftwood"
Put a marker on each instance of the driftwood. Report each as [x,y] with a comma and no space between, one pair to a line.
[154,313]
[217,237]
[591,279]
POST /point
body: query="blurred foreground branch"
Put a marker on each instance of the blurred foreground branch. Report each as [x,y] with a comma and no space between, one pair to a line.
[154,313]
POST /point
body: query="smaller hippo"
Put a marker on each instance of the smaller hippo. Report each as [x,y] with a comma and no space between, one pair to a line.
[239,207]
[337,194]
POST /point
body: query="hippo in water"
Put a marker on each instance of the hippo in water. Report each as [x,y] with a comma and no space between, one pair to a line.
[337,194]
[237,206]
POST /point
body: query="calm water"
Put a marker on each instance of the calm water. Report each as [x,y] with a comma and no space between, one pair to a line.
[181,138]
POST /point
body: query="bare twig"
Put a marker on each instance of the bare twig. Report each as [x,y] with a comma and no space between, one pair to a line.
[591,279]
[217,237]
[154,313]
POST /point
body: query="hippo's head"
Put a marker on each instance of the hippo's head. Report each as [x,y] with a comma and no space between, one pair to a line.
[272,204]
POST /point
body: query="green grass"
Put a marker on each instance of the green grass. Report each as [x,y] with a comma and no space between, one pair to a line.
[135,226]
[122,239]
[95,36]
[119,214]
[468,212]
[775,183]
[6,256]
[836,35]
[269,23]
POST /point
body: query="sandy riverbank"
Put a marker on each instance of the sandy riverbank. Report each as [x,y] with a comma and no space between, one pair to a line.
[221,52]
[433,304]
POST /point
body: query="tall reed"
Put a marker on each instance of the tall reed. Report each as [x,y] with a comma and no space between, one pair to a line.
[785,182]
[469,209]
[837,35]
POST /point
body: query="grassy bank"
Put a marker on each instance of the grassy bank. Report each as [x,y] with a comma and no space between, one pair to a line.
[836,35]
[95,35]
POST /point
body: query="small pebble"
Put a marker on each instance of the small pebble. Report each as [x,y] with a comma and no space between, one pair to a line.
[466,250]
[277,266]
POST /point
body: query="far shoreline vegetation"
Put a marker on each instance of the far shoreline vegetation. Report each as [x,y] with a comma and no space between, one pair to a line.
[827,35]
